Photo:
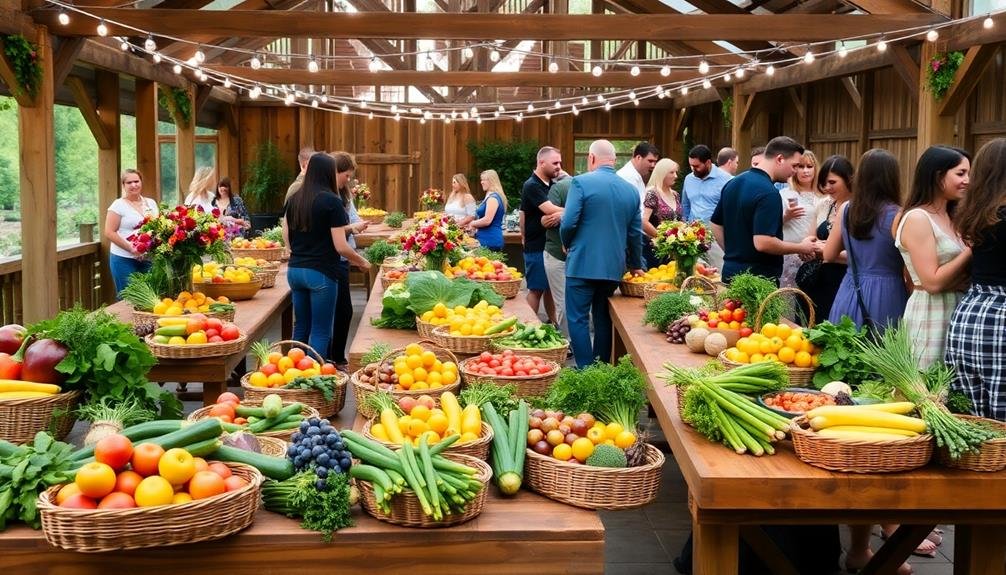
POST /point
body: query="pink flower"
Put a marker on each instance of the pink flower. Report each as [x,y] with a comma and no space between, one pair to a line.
[428,247]
[936,65]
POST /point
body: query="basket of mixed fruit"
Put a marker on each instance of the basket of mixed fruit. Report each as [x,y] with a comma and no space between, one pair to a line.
[299,375]
[505,280]
[372,215]
[234,282]
[148,307]
[266,249]
[265,270]
[413,370]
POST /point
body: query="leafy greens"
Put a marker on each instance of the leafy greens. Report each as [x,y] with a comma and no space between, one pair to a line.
[421,291]
[610,392]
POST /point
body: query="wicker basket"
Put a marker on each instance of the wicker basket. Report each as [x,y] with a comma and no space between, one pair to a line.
[21,419]
[392,264]
[527,386]
[631,289]
[424,328]
[464,344]
[386,283]
[478,449]
[271,446]
[284,434]
[859,456]
[556,354]
[233,291]
[309,397]
[595,487]
[268,254]
[506,288]
[650,293]
[361,391]
[147,321]
[405,508]
[267,275]
[93,531]
[374,219]
[708,288]
[195,350]
[991,454]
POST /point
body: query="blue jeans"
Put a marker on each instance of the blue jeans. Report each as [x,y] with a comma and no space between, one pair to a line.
[121,267]
[314,295]
[583,298]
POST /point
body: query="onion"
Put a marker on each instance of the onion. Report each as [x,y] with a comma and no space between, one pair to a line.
[100,430]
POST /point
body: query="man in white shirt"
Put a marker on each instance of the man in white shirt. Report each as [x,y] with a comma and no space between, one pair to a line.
[637,170]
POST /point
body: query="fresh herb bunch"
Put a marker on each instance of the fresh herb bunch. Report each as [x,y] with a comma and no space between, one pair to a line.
[274,234]
[502,397]
[487,253]
[326,384]
[667,308]
[375,354]
[106,359]
[26,471]
[840,358]
[394,219]
[140,293]
[959,402]
[751,291]
[379,251]
[609,392]
[874,389]
[326,510]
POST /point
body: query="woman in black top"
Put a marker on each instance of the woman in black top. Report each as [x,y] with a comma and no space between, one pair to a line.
[314,226]
[976,339]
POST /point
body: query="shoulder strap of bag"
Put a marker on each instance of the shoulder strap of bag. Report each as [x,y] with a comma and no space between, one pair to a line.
[855,271]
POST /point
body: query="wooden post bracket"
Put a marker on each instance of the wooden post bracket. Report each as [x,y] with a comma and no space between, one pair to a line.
[853,91]
[798,102]
[907,68]
[89,111]
[966,78]
[64,58]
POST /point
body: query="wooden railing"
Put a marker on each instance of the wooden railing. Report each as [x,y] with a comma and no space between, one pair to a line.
[78,273]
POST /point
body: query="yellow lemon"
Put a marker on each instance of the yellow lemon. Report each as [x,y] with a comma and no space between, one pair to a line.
[783,331]
[769,330]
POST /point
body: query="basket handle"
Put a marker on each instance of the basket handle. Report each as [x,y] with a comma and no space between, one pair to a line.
[686,283]
[278,347]
[811,319]
[422,342]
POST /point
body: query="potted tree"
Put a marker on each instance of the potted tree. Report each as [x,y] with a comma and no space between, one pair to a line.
[266,180]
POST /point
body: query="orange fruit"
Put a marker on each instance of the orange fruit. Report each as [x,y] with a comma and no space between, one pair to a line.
[794,342]
[274,357]
[419,374]
[95,480]
[258,379]
[803,359]
[405,380]
[787,355]
[284,364]
[296,354]
[582,448]
[437,422]
[420,412]
[414,361]
[562,452]
[429,358]
[769,330]
[417,427]
[276,380]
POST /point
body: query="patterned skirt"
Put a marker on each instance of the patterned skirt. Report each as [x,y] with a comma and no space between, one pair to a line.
[976,349]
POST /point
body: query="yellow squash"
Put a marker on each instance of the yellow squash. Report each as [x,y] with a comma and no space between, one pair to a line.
[900,407]
[390,422]
[860,436]
[23,394]
[471,420]
[867,418]
[18,385]
[452,409]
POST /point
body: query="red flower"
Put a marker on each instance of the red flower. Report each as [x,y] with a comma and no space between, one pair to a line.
[449,246]
[189,224]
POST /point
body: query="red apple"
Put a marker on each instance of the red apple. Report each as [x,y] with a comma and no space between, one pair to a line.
[11,337]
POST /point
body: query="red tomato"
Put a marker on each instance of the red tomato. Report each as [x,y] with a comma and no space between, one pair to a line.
[220,469]
[145,458]
[114,451]
[225,409]
[745,331]
[210,332]
[234,482]
[269,369]
[730,305]
[726,315]
[305,363]
[228,397]
[214,323]
[494,363]
[215,339]
[507,352]
[486,356]
[507,372]
[127,481]
[79,501]
[117,500]
[230,332]
[520,373]
[534,371]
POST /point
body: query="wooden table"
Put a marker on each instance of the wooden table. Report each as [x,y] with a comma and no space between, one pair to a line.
[367,335]
[730,494]
[253,317]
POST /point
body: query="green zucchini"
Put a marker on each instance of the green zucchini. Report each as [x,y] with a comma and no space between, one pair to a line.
[271,422]
[502,326]
[203,448]
[278,468]
[248,411]
[138,432]
[272,405]
[209,428]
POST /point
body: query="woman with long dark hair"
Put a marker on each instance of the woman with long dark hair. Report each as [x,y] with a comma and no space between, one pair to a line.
[314,227]
[345,164]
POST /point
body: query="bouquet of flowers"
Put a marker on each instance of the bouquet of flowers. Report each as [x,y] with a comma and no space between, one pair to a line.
[434,240]
[431,198]
[682,242]
[175,241]
[362,195]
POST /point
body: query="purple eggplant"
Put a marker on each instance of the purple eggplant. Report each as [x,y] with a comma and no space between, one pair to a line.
[41,359]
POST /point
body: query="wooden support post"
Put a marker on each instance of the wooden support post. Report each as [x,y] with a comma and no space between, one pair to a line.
[933,128]
[185,153]
[740,125]
[866,114]
[39,288]
[69,49]
[146,138]
[109,164]
[228,149]
[676,123]
[853,91]
[89,111]
[305,127]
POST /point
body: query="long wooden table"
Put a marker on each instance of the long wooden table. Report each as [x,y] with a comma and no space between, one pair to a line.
[730,494]
[253,317]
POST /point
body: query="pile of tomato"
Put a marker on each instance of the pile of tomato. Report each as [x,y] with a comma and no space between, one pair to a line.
[508,364]
[797,401]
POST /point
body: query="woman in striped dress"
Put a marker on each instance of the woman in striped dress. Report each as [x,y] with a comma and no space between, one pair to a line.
[936,258]
[976,339]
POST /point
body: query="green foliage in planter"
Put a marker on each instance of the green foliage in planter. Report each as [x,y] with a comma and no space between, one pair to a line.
[940,73]
[23,58]
[727,110]
[394,219]
[512,160]
[177,102]
[267,178]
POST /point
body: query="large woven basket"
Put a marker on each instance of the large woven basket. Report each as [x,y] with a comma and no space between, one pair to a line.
[21,419]
[267,275]
[478,449]
[991,454]
[272,446]
[595,487]
[284,434]
[309,397]
[374,219]
[93,531]
[464,344]
[146,321]
[361,391]
[650,292]
[405,508]
[268,254]
[424,328]
[196,350]
[233,291]
[859,456]
[556,354]
[506,288]
[527,386]
[631,289]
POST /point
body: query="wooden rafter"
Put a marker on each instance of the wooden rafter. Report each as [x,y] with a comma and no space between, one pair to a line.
[966,78]
[250,24]
[178,49]
[853,91]
[64,57]
[89,111]
[889,6]
[907,69]
[854,63]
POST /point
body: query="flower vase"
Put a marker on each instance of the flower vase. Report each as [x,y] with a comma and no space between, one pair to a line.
[435,261]
[685,267]
[178,273]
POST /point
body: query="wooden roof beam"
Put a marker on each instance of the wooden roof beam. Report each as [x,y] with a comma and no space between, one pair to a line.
[907,69]
[889,6]
[650,27]
[64,58]
[89,111]
[178,49]
[854,63]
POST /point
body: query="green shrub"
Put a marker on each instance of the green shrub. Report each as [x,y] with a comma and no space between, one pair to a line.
[513,161]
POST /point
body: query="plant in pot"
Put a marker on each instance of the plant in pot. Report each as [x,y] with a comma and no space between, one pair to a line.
[267,178]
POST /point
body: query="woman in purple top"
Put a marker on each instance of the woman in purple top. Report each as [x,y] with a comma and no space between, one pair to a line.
[660,204]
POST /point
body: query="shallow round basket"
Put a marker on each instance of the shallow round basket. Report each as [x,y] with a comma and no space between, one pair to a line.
[361,390]
[527,386]
[650,293]
[233,291]
[556,354]
[631,289]
[702,286]
[94,531]
[21,419]
[859,456]
[405,508]
[506,288]
[798,376]
[386,283]
[991,454]
[464,344]
[310,397]
[147,322]
[374,219]
[283,434]
[478,449]
[424,328]
[268,254]
[195,350]
[595,487]
[271,446]
[267,275]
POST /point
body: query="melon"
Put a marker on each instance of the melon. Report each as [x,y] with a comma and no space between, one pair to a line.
[715,343]
[696,339]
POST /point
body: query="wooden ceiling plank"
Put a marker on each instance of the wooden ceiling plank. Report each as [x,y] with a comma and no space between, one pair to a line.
[889,6]
[294,24]
[854,63]
[966,78]
[177,49]
[907,69]
[64,58]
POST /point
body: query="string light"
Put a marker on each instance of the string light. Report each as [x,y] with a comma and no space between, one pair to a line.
[468,53]
[842,50]
[494,55]
[583,101]
[882,45]
[665,71]
[394,108]
[987,23]
[157,58]
[256,62]
[548,116]
[398,117]
[478,120]
[520,117]
[739,74]
[312,66]
[575,111]
[553,66]
[374,65]
[684,90]
[370,116]
[192,63]
[363,104]
[454,114]
[149,45]
[63,17]
[770,70]
[177,69]
[465,115]
[632,95]
[557,105]
[600,98]
[501,109]
[496,114]
[607,106]
[227,82]
[707,84]
[596,71]
[102,29]
[314,103]
[475,111]
[199,56]
[726,78]
[808,57]
[288,99]
[703,67]
[324,99]
[255,93]
[932,35]
[124,45]
[634,71]
[530,108]
[345,109]
[422,120]
[635,102]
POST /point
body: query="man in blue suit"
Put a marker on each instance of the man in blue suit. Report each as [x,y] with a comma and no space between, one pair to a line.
[601,220]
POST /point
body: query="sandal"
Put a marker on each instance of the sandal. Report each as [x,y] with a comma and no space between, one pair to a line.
[927,548]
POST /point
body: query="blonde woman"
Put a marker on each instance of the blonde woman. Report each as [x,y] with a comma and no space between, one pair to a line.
[121,221]
[660,204]
[461,203]
[201,190]
[800,206]
[490,213]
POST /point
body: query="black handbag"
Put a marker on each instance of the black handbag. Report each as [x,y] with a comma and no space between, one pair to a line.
[808,275]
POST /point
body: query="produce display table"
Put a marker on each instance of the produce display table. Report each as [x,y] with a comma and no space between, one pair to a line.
[254,317]
[367,335]
[730,494]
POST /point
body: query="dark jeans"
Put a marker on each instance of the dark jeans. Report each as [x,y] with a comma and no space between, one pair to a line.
[343,317]
[313,295]
[121,267]
[586,298]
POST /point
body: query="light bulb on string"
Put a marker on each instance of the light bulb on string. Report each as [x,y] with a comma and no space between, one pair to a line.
[634,71]
[465,115]
[882,45]
[374,65]
[703,67]
[324,98]
[987,23]
[665,71]
[842,50]
[467,53]
[548,116]
[557,104]
[124,45]
[684,90]
[394,108]
[227,82]
[454,114]
[192,63]
[770,70]
[607,106]
[600,98]
[583,101]
[199,56]
[575,111]
[530,108]
[363,104]
[312,66]
[635,102]
[808,57]
[447,120]
[398,117]
[932,35]
[707,84]
[157,58]
[255,92]
[102,29]
[496,114]
[344,108]
[64,18]
[500,108]
[632,94]
[739,74]
[478,120]
[428,115]
[553,67]
[494,55]
[520,117]
[475,111]
[255,62]
[726,78]
[422,120]
[314,102]
[288,99]
[177,69]
[662,94]
[596,71]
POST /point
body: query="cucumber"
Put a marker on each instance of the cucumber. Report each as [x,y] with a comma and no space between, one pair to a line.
[247,411]
[278,468]
[203,448]
[138,432]
[209,428]
[171,331]
[272,422]
[502,326]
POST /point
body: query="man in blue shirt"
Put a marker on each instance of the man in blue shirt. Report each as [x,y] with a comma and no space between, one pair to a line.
[601,220]
[747,221]
[701,193]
